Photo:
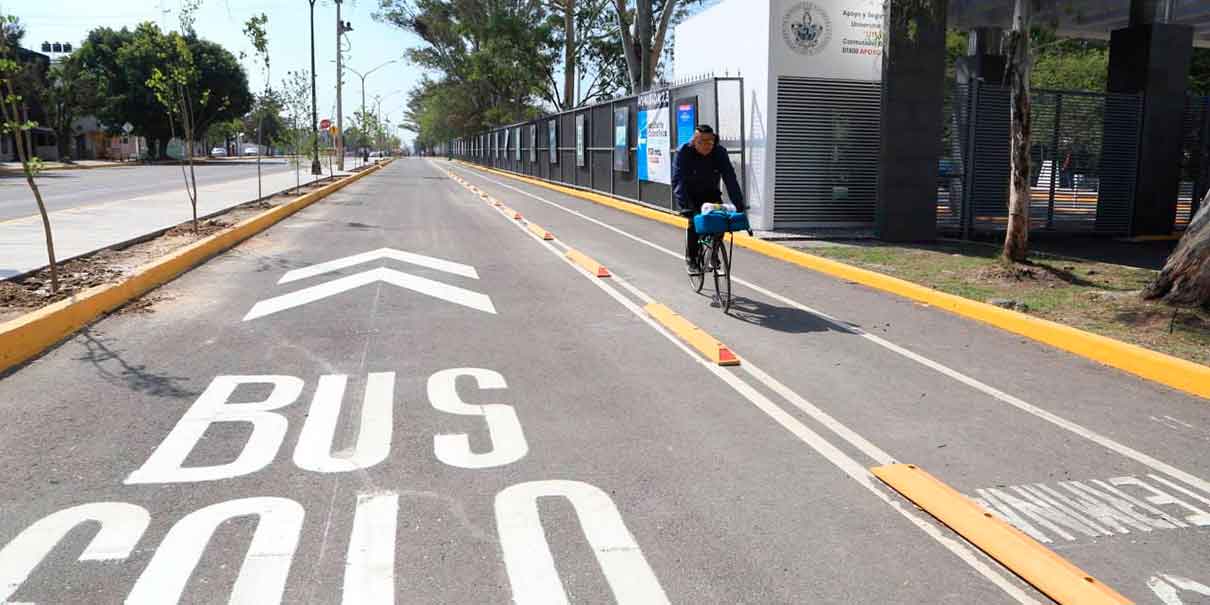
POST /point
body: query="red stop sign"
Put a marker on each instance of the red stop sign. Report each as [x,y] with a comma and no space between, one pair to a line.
[325,124]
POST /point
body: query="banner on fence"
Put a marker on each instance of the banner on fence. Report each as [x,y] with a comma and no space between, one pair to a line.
[621,139]
[686,120]
[653,154]
[580,140]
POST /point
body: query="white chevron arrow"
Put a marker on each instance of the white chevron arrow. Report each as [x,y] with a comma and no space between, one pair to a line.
[436,289]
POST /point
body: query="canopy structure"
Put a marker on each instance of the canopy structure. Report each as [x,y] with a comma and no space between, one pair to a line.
[1088,19]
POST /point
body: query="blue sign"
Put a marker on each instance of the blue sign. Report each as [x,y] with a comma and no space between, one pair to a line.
[641,151]
[686,122]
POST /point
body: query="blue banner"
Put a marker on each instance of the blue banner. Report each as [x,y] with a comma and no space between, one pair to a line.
[686,121]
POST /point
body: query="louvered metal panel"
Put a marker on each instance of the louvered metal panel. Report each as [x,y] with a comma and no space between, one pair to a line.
[1195,165]
[827,143]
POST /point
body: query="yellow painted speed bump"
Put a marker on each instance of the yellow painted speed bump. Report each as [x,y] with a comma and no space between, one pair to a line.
[540,232]
[692,335]
[592,266]
[1051,574]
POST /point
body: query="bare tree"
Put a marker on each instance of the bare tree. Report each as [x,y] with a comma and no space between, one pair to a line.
[16,122]
[255,30]
[644,45]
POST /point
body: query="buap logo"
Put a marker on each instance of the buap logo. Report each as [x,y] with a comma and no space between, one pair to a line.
[807,28]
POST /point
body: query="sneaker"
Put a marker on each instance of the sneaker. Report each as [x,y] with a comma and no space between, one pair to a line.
[693,267]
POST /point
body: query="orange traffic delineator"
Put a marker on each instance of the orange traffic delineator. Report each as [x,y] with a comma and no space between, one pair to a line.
[590,265]
[694,336]
[540,232]
[1045,570]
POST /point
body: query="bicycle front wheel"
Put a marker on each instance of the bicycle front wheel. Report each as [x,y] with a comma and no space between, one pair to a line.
[722,274]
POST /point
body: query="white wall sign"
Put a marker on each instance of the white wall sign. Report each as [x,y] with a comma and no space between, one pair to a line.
[839,39]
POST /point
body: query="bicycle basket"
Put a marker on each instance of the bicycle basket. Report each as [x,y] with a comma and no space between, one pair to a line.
[720,222]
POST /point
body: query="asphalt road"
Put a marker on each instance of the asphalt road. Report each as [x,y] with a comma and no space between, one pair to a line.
[62,189]
[468,418]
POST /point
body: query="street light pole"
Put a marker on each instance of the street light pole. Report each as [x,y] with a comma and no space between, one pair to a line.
[316,168]
[363,88]
[341,29]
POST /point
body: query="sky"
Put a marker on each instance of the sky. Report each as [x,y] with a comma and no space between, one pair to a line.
[222,21]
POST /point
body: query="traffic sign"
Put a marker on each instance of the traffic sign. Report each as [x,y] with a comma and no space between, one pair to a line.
[325,124]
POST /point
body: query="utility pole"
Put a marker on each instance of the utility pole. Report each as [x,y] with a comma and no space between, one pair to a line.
[316,168]
[363,89]
[341,29]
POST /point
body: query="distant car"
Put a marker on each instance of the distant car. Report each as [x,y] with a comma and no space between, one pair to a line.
[250,150]
[219,152]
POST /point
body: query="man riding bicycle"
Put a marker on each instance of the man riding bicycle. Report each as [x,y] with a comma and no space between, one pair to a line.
[695,174]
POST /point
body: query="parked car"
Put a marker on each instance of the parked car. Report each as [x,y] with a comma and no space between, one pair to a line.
[250,150]
[219,152]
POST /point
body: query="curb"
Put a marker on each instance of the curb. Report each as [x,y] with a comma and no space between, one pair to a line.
[1180,374]
[28,336]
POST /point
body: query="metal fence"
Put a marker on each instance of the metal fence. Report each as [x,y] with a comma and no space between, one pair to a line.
[1084,160]
[1195,159]
[587,148]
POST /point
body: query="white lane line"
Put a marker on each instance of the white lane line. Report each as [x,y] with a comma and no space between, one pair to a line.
[995,393]
[831,453]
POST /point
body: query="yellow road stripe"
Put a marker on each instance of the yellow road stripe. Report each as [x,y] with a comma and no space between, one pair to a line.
[694,336]
[1051,574]
[26,337]
[1187,376]
[590,265]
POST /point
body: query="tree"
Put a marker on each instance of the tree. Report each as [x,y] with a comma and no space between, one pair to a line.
[123,60]
[70,93]
[295,97]
[498,55]
[591,51]
[644,31]
[176,83]
[1016,237]
[14,121]
[1185,278]
[255,30]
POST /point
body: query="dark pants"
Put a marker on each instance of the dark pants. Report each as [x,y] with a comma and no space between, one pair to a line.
[691,243]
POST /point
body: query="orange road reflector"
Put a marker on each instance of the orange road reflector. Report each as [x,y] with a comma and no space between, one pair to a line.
[540,232]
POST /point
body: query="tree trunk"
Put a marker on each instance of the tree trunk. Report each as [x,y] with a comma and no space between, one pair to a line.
[1016,238]
[642,30]
[25,151]
[569,54]
[1185,278]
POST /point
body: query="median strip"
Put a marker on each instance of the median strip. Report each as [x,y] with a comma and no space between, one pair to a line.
[1045,570]
[26,337]
[541,232]
[1187,376]
[692,335]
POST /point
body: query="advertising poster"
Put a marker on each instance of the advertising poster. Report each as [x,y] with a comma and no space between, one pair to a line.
[553,132]
[686,120]
[517,138]
[621,139]
[654,146]
[533,144]
[580,156]
[580,140]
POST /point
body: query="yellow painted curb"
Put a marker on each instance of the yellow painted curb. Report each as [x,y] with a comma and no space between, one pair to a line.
[1181,374]
[694,336]
[1051,574]
[541,232]
[589,265]
[26,337]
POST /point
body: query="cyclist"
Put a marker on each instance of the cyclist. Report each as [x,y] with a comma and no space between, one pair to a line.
[695,174]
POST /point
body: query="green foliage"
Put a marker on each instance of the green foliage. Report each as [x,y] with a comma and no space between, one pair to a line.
[255,30]
[124,61]
[267,115]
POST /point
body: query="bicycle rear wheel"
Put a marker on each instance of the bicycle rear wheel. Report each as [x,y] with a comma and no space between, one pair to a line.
[722,274]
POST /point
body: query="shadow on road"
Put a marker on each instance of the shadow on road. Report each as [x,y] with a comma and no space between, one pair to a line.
[782,319]
[115,370]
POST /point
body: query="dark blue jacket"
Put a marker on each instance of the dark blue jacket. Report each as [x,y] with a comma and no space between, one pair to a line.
[695,178]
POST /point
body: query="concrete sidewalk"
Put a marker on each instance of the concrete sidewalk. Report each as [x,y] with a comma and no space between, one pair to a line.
[82,230]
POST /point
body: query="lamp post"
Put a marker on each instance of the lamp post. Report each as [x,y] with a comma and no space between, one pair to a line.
[342,28]
[363,86]
[316,168]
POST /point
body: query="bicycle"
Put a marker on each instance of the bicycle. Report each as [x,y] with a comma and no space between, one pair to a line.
[714,256]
